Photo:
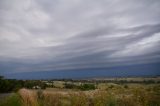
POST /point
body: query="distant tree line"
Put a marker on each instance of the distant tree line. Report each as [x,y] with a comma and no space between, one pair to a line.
[10,85]
[131,81]
[116,81]
[109,81]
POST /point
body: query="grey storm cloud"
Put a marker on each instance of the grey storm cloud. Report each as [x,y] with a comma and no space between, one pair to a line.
[42,35]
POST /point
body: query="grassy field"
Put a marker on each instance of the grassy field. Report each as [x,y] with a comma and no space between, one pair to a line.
[105,94]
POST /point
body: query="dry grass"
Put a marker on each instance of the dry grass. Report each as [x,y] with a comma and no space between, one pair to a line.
[78,99]
[29,97]
[52,99]
[112,96]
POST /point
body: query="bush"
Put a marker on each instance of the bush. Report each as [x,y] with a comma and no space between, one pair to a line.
[126,86]
[111,86]
[87,87]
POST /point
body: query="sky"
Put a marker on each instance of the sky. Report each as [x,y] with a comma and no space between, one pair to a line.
[79,38]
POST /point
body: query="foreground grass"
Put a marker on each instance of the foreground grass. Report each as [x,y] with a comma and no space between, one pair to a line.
[110,95]
[12,100]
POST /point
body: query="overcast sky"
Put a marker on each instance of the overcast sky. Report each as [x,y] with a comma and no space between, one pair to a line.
[56,35]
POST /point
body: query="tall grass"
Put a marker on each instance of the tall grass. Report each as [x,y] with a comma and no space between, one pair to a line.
[29,98]
[52,99]
[111,97]
[78,99]
[103,98]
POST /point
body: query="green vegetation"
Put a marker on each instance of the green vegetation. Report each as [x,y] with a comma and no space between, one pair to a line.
[83,87]
[7,85]
[70,86]
[12,100]
[12,85]
[33,83]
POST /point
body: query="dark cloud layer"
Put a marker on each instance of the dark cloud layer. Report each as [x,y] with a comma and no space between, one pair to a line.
[77,35]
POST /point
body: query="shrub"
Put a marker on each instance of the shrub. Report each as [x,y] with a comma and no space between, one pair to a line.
[87,87]
[111,86]
[126,86]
